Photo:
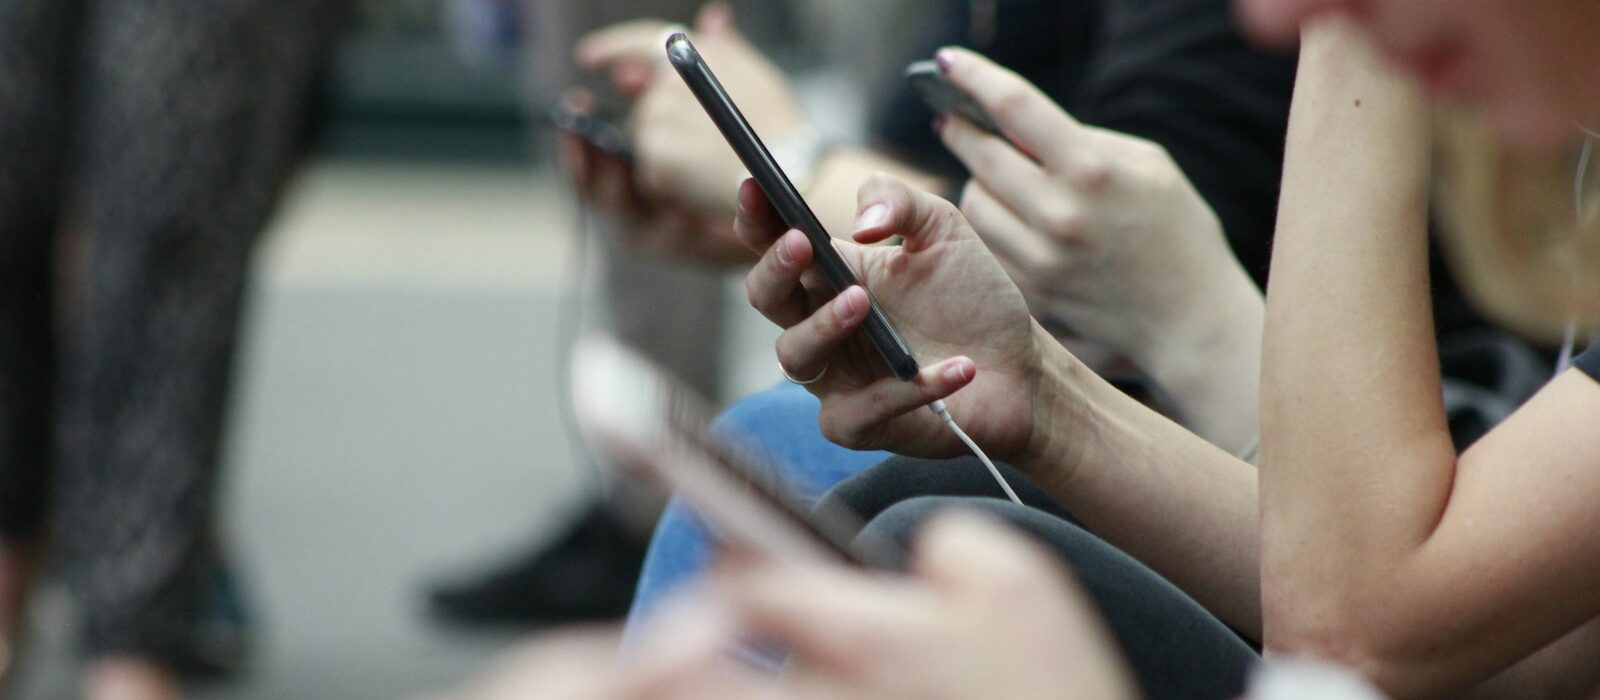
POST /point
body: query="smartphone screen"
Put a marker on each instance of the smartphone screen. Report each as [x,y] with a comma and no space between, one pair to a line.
[783,195]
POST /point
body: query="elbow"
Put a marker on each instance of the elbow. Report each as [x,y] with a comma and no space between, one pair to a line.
[1343,628]
[1312,625]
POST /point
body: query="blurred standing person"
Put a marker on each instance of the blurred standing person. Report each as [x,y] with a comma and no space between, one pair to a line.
[676,333]
[588,571]
[143,144]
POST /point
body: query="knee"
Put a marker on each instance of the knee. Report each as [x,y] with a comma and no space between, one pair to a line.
[897,479]
[892,531]
[764,412]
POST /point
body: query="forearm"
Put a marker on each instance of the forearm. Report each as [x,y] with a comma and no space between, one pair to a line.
[1356,460]
[1177,503]
[1565,669]
[832,191]
[1211,369]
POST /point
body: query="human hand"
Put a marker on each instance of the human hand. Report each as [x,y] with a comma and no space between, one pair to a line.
[1101,230]
[654,225]
[682,158]
[948,298]
[984,613]
[676,662]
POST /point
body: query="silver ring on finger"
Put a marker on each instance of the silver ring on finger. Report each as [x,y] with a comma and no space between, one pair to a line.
[812,380]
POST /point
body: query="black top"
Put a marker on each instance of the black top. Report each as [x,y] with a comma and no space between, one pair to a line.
[1589,362]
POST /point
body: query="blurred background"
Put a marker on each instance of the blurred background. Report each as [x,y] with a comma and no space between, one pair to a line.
[395,416]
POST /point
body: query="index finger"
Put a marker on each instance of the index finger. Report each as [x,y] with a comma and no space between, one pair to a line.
[756,223]
[1028,117]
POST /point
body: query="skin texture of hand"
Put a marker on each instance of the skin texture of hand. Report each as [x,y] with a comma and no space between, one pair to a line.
[945,294]
[1104,234]
[1101,229]
[681,155]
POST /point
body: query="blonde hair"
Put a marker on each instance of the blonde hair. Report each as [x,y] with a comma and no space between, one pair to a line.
[1520,229]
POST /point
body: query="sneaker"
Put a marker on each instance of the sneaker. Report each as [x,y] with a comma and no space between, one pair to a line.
[586,574]
[220,645]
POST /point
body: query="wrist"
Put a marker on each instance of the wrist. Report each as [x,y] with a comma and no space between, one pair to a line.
[1209,365]
[1220,328]
[1060,402]
[800,150]
[833,189]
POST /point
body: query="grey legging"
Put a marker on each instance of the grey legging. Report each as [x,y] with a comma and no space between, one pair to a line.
[1176,648]
[142,146]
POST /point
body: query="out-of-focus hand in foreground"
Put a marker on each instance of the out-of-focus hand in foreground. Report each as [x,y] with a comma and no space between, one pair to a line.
[982,613]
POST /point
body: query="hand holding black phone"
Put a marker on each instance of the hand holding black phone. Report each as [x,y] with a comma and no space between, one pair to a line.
[784,196]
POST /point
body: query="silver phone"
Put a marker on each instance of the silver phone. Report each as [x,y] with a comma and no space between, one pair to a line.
[945,98]
[653,425]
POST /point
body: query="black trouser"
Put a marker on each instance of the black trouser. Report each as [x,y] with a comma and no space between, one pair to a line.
[143,144]
[1175,648]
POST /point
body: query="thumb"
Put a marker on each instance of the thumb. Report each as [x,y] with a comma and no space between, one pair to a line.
[886,206]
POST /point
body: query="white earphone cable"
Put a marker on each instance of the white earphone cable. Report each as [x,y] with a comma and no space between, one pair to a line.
[1569,338]
[943,413]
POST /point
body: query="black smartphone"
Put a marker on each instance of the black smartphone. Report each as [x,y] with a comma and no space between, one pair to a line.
[783,195]
[945,98]
[597,131]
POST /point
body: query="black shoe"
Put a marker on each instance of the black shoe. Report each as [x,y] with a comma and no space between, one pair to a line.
[221,648]
[586,574]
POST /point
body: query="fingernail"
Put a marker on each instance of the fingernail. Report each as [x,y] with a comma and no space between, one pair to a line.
[784,256]
[945,58]
[875,216]
[855,302]
[958,371]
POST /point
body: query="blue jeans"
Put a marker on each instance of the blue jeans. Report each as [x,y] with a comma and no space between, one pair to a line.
[782,423]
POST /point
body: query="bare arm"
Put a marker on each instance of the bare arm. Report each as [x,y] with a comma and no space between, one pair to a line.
[1179,504]
[1380,547]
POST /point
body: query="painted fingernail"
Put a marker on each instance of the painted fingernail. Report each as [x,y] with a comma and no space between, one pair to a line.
[945,58]
[875,216]
[958,371]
